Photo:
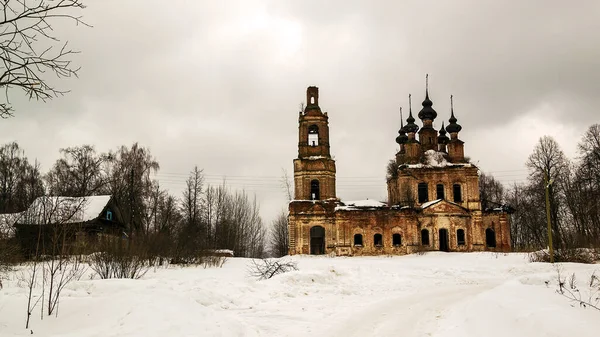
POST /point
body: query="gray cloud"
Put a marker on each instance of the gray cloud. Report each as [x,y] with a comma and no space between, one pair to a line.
[219,84]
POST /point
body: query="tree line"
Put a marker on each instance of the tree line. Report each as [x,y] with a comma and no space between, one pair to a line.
[573,190]
[204,217]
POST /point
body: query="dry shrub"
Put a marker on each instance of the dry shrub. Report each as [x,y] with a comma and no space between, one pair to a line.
[119,259]
[267,268]
[576,255]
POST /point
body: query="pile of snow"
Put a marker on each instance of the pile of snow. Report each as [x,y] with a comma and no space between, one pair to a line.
[360,204]
[436,159]
[436,294]
[49,209]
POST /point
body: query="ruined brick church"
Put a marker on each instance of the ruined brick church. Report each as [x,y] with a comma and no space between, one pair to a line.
[433,195]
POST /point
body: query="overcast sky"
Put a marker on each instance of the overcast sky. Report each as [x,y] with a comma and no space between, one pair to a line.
[218,84]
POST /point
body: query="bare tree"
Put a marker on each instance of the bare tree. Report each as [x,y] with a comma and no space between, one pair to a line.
[548,159]
[50,224]
[280,235]
[491,191]
[29,49]
[287,184]
[78,173]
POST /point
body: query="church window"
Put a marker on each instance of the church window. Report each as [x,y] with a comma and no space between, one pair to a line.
[358,241]
[423,193]
[313,135]
[439,191]
[109,215]
[314,190]
[396,240]
[457,193]
[378,240]
[425,237]
[460,237]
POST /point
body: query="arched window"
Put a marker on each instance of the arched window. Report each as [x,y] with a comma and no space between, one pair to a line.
[490,238]
[423,193]
[109,215]
[396,240]
[439,189]
[358,241]
[378,240]
[314,190]
[425,237]
[460,237]
[313,135]
[456,190]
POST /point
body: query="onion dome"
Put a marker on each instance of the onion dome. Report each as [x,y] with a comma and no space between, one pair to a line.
[442,138]
[411,126]
[427,113]
[402,137]
[453,127]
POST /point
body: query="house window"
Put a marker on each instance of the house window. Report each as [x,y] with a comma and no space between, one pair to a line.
[314,190]
[423,193]
[425,237]
[457,193]
[396,240]
[109,215]
[358,241]
[378,240]
[313,135]
[460,237]
[439,191]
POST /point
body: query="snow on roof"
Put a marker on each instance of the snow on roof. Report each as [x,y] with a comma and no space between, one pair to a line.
[430,203]
[7,222]
[47,209]
[436,159]
[360,204]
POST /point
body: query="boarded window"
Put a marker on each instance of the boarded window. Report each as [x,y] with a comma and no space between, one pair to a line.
[439,191]
[396,239]
[457,193]
[313,135]
[378,240]
[425,237]
[314,190]
[460,237]
[358,241]
[423,193]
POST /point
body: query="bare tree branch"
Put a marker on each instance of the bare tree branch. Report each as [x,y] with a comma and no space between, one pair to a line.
[28,48]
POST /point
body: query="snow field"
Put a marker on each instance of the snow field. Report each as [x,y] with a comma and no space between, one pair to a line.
[436,294]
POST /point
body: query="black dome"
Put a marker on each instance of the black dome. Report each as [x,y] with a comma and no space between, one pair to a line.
[427,112]
[442,138]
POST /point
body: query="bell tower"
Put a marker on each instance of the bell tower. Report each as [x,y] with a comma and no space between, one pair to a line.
[314,170]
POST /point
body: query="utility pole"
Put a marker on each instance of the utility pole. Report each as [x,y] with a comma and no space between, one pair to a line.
[547,187]
[131,199]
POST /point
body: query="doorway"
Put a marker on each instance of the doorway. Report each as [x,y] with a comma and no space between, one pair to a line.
[490,238]
[444,247]
[317,240]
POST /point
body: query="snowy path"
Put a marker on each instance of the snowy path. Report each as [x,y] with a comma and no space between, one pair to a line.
[416,314]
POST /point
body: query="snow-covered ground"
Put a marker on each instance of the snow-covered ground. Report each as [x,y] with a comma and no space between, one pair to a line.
[436,294]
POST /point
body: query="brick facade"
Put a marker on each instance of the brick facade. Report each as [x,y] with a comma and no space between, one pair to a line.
[433,196]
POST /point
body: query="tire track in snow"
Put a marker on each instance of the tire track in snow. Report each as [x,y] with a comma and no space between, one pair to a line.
[415,314]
